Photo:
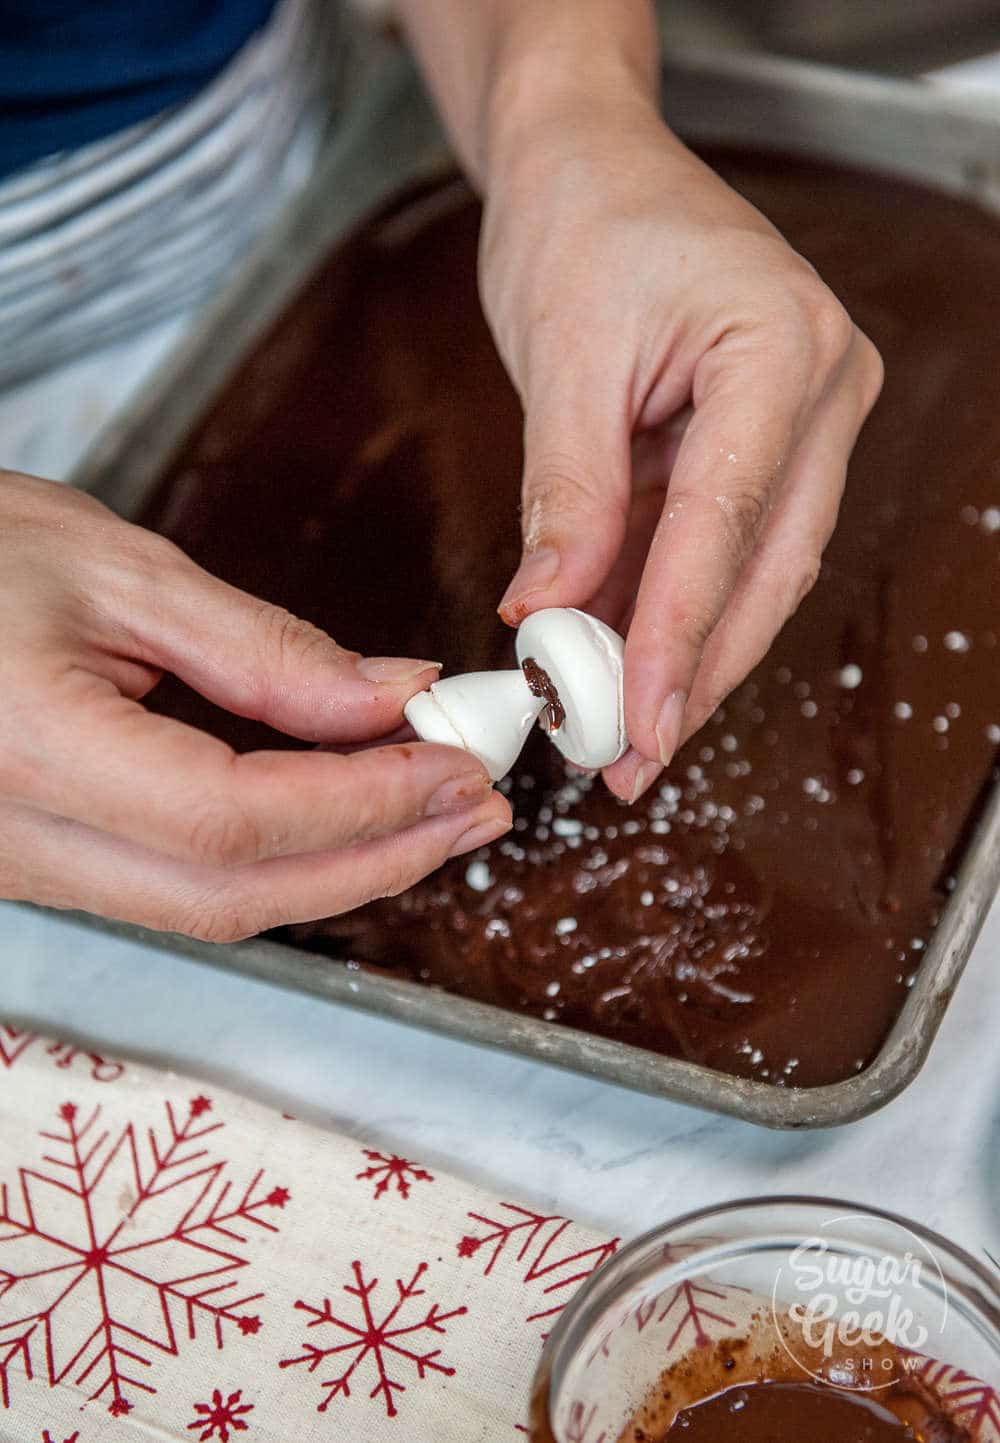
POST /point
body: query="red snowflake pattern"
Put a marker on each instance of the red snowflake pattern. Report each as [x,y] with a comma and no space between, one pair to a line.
[392,1169]
[694,1304]
[689,1306]
[545,1245]
[118,1245]
[579,1424]
[383,1342]
[47,1437]
[14,1043]
[219,1416]
[970,1402]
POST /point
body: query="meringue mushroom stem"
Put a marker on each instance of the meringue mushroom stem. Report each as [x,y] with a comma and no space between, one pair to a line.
[487,713]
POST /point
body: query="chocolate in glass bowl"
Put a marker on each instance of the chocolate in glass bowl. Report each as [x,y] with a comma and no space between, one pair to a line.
[776,1320]
[765,909]
[810,1413]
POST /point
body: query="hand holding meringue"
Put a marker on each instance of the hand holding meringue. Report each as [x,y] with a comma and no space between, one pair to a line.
[571,675]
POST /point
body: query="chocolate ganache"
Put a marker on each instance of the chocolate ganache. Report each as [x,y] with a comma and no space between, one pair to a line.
[540,684]
[765,909]
[804,1413]
[750,1389]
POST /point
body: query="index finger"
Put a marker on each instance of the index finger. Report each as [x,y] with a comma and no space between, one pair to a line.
[728,474]
[97,757]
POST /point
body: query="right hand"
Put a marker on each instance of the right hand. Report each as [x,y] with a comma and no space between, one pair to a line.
[107,807]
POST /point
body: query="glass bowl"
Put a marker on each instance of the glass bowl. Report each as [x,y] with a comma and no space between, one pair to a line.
[777,1288]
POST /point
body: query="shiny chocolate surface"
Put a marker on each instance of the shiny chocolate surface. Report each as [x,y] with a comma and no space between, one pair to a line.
[765,909]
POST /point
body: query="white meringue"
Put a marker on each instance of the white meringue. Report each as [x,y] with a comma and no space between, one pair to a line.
[584,659]
[490,713]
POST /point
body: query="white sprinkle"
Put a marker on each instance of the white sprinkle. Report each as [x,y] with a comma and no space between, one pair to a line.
[728,743]
[811,785]
[808,709]
[567,827]
[940,723]
[497,927]
[564,925]
[993,732]
[478,876]
[990,519]
[850,676]
[953,710]
[919,643]
[646,898]
[552,990]
[568,795]
[903,710]
[855,776]
[956,641]
[550,1014]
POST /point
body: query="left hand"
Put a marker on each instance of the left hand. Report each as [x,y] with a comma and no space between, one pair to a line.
[692,393]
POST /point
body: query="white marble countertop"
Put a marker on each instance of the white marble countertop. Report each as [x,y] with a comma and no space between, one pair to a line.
[568,1143]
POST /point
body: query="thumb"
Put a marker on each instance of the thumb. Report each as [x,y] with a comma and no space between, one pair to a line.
[260,661]
[575,494]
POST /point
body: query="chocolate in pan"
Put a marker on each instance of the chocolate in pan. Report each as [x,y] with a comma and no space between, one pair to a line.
[765,910]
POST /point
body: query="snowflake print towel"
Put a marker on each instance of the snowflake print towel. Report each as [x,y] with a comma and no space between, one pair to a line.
[179,1263]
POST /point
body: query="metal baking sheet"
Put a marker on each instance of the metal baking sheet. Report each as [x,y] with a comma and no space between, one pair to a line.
[389,138]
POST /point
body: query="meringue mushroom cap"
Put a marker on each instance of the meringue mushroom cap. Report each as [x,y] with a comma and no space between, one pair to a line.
[488,713]
[585,661]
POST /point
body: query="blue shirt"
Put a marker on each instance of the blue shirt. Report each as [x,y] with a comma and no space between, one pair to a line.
[73,71]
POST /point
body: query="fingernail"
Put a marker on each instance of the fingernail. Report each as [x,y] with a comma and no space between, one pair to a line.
[537,571]
[467,790]
[645,776]
[479,835]
[393,670]
[668,725]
